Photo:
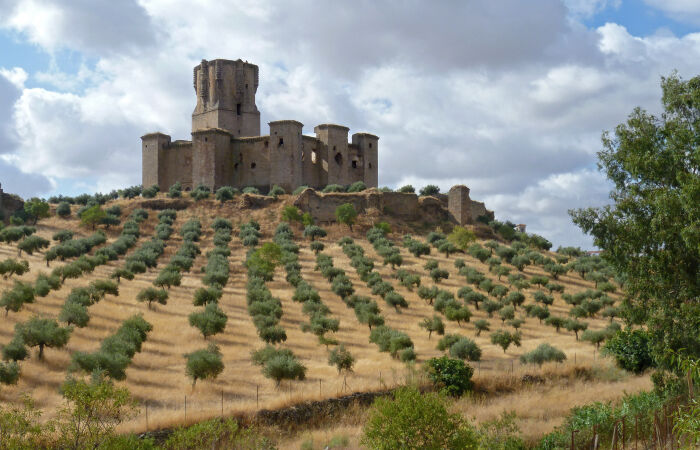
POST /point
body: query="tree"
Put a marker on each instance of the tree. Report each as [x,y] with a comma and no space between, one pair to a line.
[15,298]
[506,313]
[438,274]
[575,326]
[430,189]
[36,209]
[74,313]
[452,376]
[433,324]
[284,367]
[32,243]
[651,227]
[411,420]
[504,338]
[15,350]
[92,412]
[346,214]
[555,321]
[10,267]
[168,278]
[407,189]
[458,314]
[151,294]
[43,332]
[396,300]
[515,298]
[210,321]
[481,325]
[313,232]
[92,216]
[595,337]
[341,358]
[317,247]
[447,248]
[120,273]
[461,237]
[203,364]
[465,348]
[632,350]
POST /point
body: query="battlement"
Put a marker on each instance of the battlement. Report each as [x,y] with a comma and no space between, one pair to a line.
[227,148]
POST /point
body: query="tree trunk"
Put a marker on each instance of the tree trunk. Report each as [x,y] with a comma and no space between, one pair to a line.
[41,351]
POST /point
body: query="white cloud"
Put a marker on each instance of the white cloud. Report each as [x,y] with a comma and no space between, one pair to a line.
[508,97]
[17,76]
[589,8]
[687,11]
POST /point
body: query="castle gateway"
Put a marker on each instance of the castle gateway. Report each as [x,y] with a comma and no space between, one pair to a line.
[227,149]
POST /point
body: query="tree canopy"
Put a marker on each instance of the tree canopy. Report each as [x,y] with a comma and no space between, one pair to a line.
[651,231]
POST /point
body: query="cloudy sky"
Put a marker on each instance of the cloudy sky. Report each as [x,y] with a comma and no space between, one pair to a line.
[508,97]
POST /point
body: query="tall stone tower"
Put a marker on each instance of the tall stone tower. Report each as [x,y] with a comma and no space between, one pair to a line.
[226,97]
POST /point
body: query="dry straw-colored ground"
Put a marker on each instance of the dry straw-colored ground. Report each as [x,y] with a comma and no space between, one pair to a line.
[157,378]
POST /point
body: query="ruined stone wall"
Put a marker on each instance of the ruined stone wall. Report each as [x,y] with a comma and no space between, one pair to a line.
[251,163]
[355,167]
[314,158]
[403,205]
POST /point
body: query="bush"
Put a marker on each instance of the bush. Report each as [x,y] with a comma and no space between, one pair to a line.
[63,209]
[175,190]
[407,189]
[346,214]
[631,350]
[414,421]
[542,354]
[451,375]
[150,192]
[357,186]
[333,188]
[465,348]
[299,190]
[276,191]
[430,189]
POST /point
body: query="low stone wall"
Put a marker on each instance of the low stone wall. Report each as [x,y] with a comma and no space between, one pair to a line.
[398,204]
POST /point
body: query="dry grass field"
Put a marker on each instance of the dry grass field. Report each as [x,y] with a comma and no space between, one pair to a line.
[156,376]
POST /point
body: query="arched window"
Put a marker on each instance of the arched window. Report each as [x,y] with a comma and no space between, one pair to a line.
[339,158]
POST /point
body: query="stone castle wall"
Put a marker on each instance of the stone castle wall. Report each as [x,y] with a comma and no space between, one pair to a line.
[227,149]
[398,204]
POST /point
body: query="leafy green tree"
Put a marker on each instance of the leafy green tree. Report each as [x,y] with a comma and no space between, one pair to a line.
[396,300]
[447,248]
[313,232]
[413,421]
[168,278]
[74,313]
[120,273]
[652,225]
[504,338]
[430,189]
[507,313]
[210,321]
[341,358]
[151,295]
[461,237]
[43,332]
[481,325]
[556,322]
[595,337]
[575,326]
[15,298]
[438,274]
[32,243]
[515,298]
[433,324]
[284,367]
[346,214]
[457,313]
[204,364]
[10,267]
[15,350]
[92,216]
[291,214]
[36,209]
[407,189]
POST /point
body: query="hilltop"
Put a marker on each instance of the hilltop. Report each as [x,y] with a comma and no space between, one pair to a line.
[156,374]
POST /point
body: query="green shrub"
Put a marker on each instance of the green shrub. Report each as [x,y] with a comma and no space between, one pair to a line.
[63,209]
[542,354]
[631,350]
[276,191]
[414,421]
[451,375]
[357,186]
[299,190]
[175,190]
[334,188]
[251,190]
[430,189]
[466,349]
[407,189]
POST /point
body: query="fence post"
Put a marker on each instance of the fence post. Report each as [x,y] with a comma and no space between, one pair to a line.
[319,389]
[222,403]
[257,396]
[573,440]
[146,416]
[623,432]
[185,410]
[594,441]
[636,438]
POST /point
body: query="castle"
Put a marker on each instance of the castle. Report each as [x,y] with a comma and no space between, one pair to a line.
[227,149]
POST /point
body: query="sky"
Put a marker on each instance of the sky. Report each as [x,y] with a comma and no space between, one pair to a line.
[508,97]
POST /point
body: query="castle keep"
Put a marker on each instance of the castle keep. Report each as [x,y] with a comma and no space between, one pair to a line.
[227,149]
